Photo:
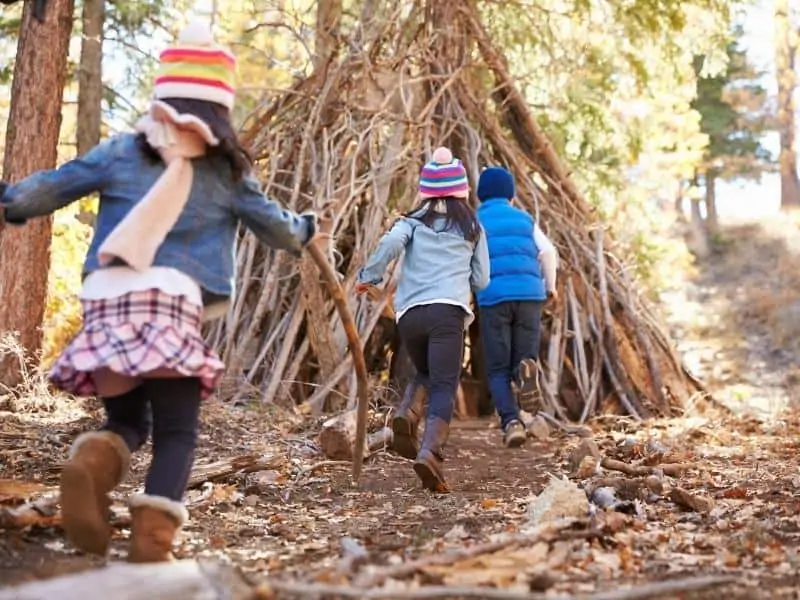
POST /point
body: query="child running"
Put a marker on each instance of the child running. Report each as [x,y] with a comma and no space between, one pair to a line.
[523,266]
[445,259]
[162,259]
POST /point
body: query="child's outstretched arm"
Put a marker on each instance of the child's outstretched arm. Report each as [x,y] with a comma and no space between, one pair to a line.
[547,256]
[390,247]
[479,279]
[45,192]
[272,224]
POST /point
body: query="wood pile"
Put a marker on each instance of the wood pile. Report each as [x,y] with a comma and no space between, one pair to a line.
[349,140]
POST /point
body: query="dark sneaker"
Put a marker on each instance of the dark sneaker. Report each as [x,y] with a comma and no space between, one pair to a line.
[514,434]
[530,394]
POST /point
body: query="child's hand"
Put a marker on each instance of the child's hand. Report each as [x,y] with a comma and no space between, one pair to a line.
[552,296]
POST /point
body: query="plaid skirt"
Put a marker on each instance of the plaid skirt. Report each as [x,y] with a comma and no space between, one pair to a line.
[134,334]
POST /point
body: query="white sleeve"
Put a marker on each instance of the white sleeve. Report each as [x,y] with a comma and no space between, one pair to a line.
[548,257]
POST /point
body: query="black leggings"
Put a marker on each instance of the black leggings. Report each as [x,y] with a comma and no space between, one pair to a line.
[172,408]
[433,335]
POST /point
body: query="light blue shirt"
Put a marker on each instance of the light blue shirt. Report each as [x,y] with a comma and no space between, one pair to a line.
[438,267]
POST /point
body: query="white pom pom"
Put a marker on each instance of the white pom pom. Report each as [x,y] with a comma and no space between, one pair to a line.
[196,33]
[442,156]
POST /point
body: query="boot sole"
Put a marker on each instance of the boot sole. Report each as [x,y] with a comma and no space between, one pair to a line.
[516,441]
[430,480]
[83,523]
[404,443]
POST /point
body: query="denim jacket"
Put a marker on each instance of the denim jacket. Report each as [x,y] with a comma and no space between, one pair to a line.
[438,265]
[202,242]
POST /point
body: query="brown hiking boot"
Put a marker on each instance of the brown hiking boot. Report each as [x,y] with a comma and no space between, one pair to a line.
[98,462]
[405,424]
[530,392]
[155,521]
[428,465]
[514,434]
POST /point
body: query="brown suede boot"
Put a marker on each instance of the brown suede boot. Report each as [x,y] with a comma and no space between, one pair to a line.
[428,465]
[155,521]
[405,424]
[98,462]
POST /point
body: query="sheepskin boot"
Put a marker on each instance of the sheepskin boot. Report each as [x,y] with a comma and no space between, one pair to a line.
[155,522]
[98,462]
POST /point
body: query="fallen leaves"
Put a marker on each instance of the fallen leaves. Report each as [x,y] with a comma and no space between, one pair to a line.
[276,507]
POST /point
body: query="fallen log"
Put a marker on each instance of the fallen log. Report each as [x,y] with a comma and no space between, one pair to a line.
[42,512]
[180,580]
[202,580]
[246,463]
[338,435]
[645,592]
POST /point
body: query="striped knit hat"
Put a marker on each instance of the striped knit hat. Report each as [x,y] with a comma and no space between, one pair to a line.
[443,176]
[196,68]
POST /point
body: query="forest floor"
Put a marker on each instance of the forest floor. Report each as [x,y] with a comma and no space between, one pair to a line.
[722,499]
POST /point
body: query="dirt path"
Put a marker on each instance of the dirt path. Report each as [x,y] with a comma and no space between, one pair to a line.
[288,520]
[737,320]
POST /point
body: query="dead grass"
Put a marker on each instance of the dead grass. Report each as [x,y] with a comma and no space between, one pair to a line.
[761,259]
[33,395]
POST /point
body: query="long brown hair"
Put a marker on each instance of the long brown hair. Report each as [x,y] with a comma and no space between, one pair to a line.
[218,118]
[458,216]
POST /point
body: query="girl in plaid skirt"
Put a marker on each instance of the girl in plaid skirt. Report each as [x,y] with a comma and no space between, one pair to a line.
[162,260]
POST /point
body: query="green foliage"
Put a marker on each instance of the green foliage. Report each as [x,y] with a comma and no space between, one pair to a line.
[734,115]
[612,83]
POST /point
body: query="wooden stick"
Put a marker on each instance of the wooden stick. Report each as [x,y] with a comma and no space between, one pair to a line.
[337,294]
[647,591]
[546,531]
[673,470]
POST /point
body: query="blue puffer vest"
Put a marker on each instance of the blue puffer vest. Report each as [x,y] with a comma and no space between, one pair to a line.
[515,270]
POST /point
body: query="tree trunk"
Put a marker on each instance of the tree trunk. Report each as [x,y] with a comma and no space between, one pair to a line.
[785,53]
[712,218]
[90,76]
[90,86]
[698,235]
[31,144]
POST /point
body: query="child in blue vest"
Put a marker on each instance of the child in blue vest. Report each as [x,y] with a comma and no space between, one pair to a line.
[162,260]
[445,259]
[523,269]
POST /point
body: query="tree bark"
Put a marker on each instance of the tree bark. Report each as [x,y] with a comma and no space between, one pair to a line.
[90,76]
[31,145]
[712,217]
[785,56]
[698,234]
[90,86]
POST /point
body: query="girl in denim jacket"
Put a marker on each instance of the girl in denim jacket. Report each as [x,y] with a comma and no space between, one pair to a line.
[161,261]
[446,258]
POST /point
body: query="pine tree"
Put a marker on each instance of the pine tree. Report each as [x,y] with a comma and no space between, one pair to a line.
[734,115]
[31,145]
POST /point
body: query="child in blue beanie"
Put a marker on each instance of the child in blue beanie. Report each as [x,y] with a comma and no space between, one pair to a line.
[523,275]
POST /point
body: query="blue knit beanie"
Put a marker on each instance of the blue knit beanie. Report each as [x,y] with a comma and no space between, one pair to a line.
[495,182]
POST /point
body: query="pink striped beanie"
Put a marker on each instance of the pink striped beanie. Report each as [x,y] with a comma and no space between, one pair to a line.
[443,176]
